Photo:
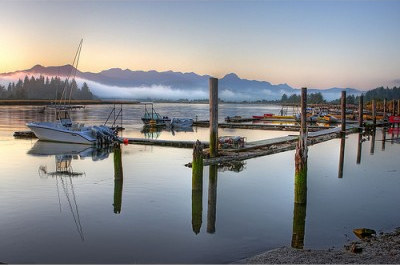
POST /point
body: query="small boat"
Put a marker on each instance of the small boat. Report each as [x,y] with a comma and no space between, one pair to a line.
[258,117]
[182,122]
[153,118]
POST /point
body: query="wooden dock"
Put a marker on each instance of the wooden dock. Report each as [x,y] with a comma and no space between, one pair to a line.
[255,126]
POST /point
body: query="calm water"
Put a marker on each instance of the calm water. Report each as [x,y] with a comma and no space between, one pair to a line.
[66,204]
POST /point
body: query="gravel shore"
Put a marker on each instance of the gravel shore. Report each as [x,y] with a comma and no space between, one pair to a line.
[384,248]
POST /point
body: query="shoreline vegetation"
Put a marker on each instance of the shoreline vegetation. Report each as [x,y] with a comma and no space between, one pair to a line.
[381,249]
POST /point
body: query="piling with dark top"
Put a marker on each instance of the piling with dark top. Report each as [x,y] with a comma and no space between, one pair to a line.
[118,179]
[213,85]
[361,111]
[343,105]
[212,198]
[374,112]
[197,187]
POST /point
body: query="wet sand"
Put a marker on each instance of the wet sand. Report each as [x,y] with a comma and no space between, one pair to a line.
[382,249]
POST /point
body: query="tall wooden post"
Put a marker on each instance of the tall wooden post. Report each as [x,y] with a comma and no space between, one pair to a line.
[300,178]
[212,199]
[359,146]
[300,190]
[341,158]
[398,107]
[118,179]
[384,109]
[213,85]
[343,103]
[197,187]
[361,111]
[374,112]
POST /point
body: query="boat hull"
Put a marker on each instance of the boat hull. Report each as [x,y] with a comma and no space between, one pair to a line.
[48,133]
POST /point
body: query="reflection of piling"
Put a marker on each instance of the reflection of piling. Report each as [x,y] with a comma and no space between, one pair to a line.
[398,107]
[359,148]
[383,138]
[343,103]
[374,112]
[118,179]
[213,84]
[197,187]
[372,150]
[212,199]
[360,111]
[300,190]
[300,179]
[341,159]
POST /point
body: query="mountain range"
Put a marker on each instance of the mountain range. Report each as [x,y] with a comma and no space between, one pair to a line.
[119,83]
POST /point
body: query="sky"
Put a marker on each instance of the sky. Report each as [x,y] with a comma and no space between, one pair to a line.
[317,44]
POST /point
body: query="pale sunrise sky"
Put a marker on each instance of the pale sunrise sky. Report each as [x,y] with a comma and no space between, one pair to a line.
[318,44]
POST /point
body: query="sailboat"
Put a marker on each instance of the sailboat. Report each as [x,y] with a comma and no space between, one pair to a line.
[63,129]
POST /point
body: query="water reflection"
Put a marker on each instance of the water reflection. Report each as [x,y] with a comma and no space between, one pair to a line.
[383,138]
[155,132]
[359,147]
[64,173]
[341,158]
[118,179]
[212,198]
[372,150]
[197,200]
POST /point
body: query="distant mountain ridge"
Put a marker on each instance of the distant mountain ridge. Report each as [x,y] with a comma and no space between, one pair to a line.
[130,83]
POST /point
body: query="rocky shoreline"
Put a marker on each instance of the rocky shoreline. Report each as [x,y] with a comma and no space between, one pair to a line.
[381,249]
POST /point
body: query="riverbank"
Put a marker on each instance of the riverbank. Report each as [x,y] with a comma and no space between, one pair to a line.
[382,249]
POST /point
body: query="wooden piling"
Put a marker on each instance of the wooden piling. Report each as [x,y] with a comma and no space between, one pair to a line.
[361,111]
[374,112]
[341,158]
[384,109]
[118,179]
[213,85]
[359,146]
[398,107]
[299,225]
[212,198]
[300,179]
[393,108]
[300,190]
[197,187]
[343,106]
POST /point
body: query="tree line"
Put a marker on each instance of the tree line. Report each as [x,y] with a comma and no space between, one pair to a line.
[44,88]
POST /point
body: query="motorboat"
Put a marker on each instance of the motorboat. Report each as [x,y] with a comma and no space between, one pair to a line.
[153,118]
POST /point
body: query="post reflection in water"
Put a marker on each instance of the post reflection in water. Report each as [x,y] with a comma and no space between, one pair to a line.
[197,200]
[359,147]
[212,198]
[118,179]
[383,138]
[341,159]
[372,150]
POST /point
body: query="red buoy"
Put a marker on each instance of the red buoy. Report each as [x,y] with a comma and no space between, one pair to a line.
[126,141]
